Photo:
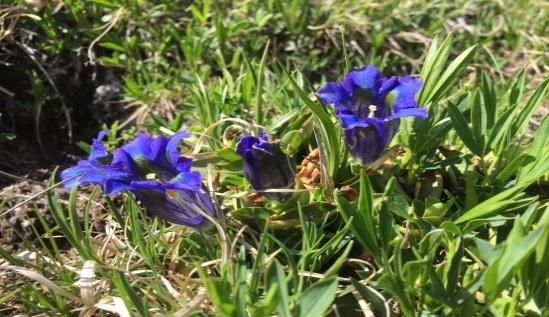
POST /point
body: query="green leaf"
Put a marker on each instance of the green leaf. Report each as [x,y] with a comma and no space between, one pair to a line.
[492,205]
[500,129]
[511,167]
[340,260]
[435,288]
[365,208]
[358,227]
[372,298]
[106,4]
[219,291]
[536,164]
[112,46]
[129,296]
[266,305]
[451,75]
[479,120]
[317,298]
[66,224]
[462,129]
[294,139]
[517,89]
[525,113]
[330,140]
[435,210]
[433,138]
[499,273]
[386,226]
[433,66]
[242,283]
[229,155]
[453,272]
[259,89]
[489,100]
[275,275]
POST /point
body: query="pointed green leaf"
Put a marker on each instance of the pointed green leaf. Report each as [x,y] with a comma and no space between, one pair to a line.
[463,130]
[316,299]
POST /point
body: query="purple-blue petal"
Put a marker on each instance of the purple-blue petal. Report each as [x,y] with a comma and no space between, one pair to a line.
[263,137]
[158,147]
[97,149]
[153,185]
[368,77]
[403,96]
[266,166]
[122,160]
[187,181]
[245,145]
[148,167]
[347,120]
[181,163]
[90,172]
[139,148]
[421,113]
[367,141]
[388,85]
[365,144]
[71,176]
[334,94]
[113,186]
[160,205]
[176,206]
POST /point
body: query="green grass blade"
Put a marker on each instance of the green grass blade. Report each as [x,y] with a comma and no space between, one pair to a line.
[451,75]
[491,205]
[479,120]
[317,298]
[259,88]
[129,296]
[433,66]
[275,275]
[463,130]
[526,113]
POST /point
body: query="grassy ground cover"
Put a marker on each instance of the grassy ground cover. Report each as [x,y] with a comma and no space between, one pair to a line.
[450,220]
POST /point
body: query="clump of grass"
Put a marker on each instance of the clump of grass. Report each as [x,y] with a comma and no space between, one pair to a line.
[165,48]
[452,222]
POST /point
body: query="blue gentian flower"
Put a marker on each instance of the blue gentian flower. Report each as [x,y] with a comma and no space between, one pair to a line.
[266,166]
[152,169]
[369,107]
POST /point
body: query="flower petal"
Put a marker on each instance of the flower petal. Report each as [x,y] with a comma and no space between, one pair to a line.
[186,180]
[368,138]
[266,166]
[168,207]
[348,120]
[365,143]
[115,186]
[153,185]
[403,96]
[97,149]
[157,152]
[139,148]
[89,172]
[410,112]
[245,145]
[122,160]
[334,94]
[181,163]
[71,176]
[368,77]
[388,85]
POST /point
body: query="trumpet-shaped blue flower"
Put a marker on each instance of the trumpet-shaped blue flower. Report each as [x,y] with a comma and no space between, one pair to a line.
[266,166]
[369,107]
[152,169]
